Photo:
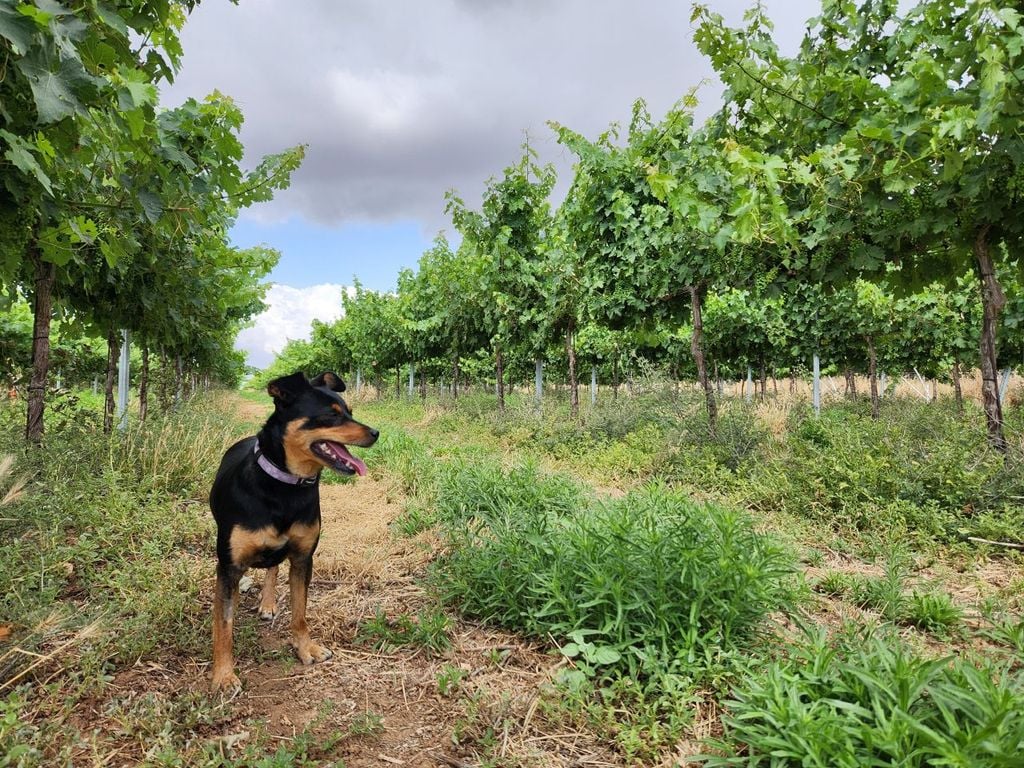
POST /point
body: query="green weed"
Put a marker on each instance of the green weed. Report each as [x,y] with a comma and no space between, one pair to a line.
[834,584]
[872,701]
[1006,630]
[429,629]
[366,723]
[449,678]
[414,519]
[932,611]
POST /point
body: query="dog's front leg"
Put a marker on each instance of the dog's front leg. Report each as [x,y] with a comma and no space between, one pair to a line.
[225,599]
[299,574]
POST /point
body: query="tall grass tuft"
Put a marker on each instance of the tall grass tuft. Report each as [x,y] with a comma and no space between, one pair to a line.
[15,489]
[173,453]
[116,524]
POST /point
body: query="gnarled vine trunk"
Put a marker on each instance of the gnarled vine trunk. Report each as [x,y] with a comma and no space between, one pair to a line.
[697,348]
[873,377]
[46,277]
[144,383]
[992,300]
[958,387]
[113,352]
[499,368]
[574,384]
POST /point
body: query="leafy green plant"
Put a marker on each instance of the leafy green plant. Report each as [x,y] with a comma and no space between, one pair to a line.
[413,520]
[872,701]
[17,743]
[884,594]
[637,583]
[366,724]
[1006,630]
[834,583]
[933,611]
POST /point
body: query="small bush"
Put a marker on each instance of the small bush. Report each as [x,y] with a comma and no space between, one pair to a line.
[738,437]
[932,611]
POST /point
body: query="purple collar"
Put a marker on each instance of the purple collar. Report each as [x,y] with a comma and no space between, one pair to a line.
[279,474]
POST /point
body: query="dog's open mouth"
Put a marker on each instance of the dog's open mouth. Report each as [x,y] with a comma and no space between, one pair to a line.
[338,457]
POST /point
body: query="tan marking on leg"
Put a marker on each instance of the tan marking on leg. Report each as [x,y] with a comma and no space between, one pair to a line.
[268,597]
[246,544]
[298,581]
[303,538]
[224,677]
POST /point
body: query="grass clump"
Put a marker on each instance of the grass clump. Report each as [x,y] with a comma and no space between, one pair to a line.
[105,546]
[634,586]
[872,701]
[651,597]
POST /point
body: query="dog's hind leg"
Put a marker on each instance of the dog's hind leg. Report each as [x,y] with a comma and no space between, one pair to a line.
[299,574]
[268,598]
[224,601]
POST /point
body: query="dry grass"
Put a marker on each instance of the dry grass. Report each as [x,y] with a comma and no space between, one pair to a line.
[16,489]
[55,641]
[833,388]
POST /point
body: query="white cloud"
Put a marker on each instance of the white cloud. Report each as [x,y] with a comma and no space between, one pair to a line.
[289,315]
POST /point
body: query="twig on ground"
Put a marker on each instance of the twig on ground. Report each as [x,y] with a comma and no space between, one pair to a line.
[1008,544]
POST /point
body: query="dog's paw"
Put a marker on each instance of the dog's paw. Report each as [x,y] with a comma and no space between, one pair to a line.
[225,681]
[268,612]
[310,653]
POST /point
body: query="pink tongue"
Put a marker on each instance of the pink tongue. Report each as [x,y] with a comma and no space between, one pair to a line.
[342,452]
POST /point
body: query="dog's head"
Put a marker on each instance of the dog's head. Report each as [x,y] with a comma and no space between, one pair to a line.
[318,424]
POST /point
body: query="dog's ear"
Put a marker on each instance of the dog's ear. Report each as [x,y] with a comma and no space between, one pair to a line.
[286,389]
[330,380]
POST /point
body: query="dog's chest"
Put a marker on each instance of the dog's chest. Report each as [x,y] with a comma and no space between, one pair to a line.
[266,547]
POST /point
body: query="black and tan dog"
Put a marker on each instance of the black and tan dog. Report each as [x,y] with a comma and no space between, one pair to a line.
[266,501]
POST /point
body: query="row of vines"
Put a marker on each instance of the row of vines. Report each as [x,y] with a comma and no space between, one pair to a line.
[114,212]
[860,201]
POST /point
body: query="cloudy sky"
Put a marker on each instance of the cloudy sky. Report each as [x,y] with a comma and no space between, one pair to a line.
[400,101]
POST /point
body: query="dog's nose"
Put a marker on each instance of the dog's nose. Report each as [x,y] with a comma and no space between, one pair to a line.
[374,433]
